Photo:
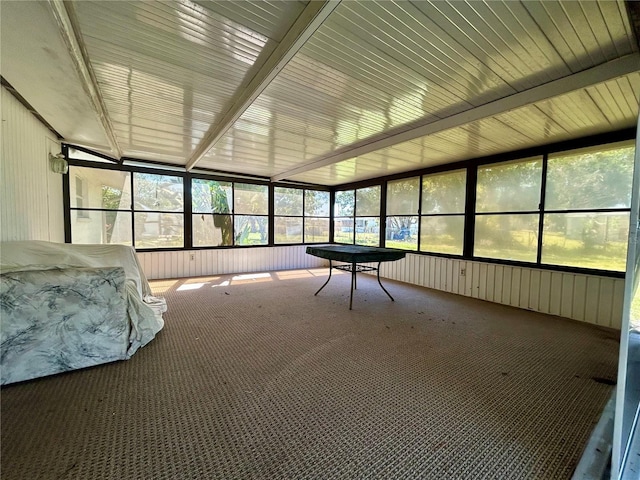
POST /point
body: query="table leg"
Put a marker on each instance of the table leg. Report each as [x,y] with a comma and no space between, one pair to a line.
[385,290]
[353,284]
[325,283]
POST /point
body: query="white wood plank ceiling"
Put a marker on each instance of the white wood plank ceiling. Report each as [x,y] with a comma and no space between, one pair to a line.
[322,92]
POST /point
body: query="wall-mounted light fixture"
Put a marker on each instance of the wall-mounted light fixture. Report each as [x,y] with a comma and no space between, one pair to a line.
[57,163]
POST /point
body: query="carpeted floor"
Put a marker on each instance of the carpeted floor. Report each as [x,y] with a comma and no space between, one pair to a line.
[255,378]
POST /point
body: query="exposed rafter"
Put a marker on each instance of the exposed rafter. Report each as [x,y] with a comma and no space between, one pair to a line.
[601,73]
[314,14]
[68,26]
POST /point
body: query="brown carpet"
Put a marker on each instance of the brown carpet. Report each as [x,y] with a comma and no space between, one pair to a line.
[253,377]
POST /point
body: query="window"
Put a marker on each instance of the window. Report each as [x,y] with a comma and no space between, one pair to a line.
[158,218]
[343,210]
[251,209]
[566,209]
[443,207]
[403,197]
[587,205]
[100,206]
[507,210]
[212,222]
[288,210]
[357,216]
[367,216]
[316,216]
[301,215]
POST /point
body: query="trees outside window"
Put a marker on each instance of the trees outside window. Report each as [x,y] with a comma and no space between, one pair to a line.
[587,204]
[508,199]
[443,212]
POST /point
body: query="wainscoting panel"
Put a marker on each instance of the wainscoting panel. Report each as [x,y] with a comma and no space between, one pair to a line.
[587,298]
[196,263]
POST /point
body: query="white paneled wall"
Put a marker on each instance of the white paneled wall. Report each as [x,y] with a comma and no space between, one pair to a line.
[195,263]
[31,206]
[588,298]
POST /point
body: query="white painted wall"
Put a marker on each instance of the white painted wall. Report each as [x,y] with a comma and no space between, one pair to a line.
[31,206]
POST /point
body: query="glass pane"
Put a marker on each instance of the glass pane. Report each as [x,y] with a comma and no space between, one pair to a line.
[288,201]
[403,196]
[212,230]
[90,226]
[158,230]
[96,188]
[251,230]
[368,201]
[509,237]
[588,240]
[591,179]
[442,234]
[343,230]
[249,198]
[288,229]
[345,203]
[444,192]
[158,192]
[509,187]
[402,232]
[368,231]
[79,155]
[210,196]
[316,230]
[316,203]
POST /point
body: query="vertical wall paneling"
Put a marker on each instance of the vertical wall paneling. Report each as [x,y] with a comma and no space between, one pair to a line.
[587,298]
[592,300]
[31,206]
[178,264]
[566,302]
[616,310]
[579,294]
[544,292]
[555,293]
[506,285]
[605,305]
[491,282]
[525,288]
[515,287]
[475,280]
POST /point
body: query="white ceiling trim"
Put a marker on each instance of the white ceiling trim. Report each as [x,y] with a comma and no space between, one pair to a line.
[68,27]
[311,18]
[586,78]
